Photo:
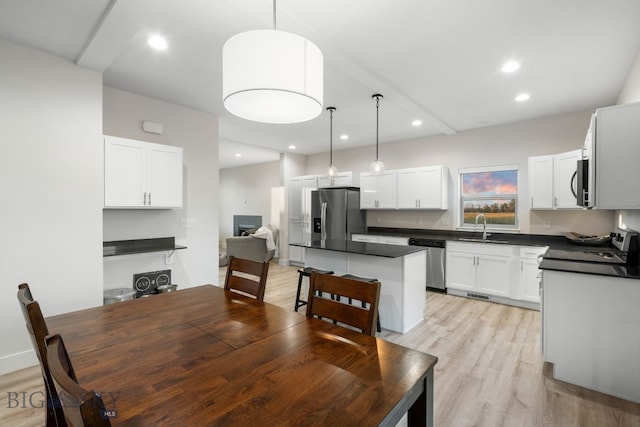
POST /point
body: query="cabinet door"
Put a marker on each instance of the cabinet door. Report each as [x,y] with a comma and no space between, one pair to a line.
[368,190]
[164,176]
[432,188]
[342,179]
[408,188]
[564,168]
[541,182]
[387,191]
[295,236]
[530,280]
[461,271]
[493,275]
[124,173]
[295,198]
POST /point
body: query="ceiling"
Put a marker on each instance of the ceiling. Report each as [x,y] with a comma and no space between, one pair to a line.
[434,60]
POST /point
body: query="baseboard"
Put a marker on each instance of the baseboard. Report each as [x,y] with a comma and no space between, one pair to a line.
[17,361]
[282,262]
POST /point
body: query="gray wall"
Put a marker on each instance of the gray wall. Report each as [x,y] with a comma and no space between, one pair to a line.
[197,133]
[51,191]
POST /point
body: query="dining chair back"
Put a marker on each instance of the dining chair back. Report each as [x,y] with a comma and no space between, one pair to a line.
[324,300]
[81,407]
[247,276]
[37,328]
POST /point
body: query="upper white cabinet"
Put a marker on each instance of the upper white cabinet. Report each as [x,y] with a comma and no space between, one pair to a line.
[341,179]
[423,188]
[140,174]
[378,191]
[551,183]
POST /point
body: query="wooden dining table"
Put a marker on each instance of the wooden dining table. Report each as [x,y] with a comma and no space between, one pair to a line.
[204,356]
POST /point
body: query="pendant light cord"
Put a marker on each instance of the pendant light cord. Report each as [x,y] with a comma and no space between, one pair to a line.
[377,97]
[274,14]
[331,110]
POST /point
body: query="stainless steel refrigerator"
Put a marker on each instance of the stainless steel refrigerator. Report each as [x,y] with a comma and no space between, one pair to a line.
[336,213]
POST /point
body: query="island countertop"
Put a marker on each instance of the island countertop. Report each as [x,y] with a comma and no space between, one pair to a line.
[362,248]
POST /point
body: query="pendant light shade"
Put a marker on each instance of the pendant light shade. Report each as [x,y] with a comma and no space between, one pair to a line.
[377,166]
[272,76]
[332,170]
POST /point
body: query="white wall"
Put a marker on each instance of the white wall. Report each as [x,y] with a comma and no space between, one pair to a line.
[247,191]
[51,191]
[490,146]
[630,93]
[197,133]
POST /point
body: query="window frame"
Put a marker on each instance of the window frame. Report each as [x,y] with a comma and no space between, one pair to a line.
[461,198]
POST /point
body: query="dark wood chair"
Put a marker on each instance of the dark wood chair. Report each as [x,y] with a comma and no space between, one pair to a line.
[37,328]
[81,407]
[361,317]
[247,276]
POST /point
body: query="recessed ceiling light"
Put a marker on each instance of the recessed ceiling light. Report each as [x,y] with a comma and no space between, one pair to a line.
[510,66]
[344,137]
[292,147]
[157,42]
[522,97]
[416,123]
[238,155]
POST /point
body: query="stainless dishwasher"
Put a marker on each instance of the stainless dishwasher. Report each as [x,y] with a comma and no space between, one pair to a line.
[435,260]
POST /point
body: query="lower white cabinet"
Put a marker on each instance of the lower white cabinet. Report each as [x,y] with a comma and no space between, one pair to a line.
[389,240]
[528,288]
[296,253]
[479,267]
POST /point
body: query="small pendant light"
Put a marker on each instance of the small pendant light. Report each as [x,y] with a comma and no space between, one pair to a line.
[377,166]
[332,170]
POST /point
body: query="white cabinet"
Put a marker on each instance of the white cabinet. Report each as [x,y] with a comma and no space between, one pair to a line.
[423,188]
[299,193]
[140,174]
[550,181]
[388,240]
[528,288]
[479,268]
[378,191]
[341,179]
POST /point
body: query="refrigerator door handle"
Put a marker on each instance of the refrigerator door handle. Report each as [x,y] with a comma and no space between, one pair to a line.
[323,221]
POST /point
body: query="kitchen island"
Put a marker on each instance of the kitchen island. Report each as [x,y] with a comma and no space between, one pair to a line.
[591,325]
[401,271]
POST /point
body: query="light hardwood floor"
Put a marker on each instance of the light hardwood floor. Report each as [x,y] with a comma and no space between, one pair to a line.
[490,370]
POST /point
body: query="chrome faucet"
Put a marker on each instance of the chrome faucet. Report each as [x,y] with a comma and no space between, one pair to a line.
[484,227]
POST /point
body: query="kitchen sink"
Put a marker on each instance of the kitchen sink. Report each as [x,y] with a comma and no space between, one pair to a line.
[466,239]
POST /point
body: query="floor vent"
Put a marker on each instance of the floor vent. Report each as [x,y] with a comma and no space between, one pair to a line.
[478,296]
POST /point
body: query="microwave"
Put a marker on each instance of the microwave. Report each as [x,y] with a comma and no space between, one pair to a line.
[582,191]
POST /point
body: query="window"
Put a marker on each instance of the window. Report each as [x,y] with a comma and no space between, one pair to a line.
[492,192]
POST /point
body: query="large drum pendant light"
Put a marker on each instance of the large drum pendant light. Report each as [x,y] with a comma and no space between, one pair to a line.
[272,76]
[377,166]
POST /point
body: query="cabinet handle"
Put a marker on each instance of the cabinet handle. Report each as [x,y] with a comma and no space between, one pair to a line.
[555,202]
[149,199]
[144,202]
[521,266]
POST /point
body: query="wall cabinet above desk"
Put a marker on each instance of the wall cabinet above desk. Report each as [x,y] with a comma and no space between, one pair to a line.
[141,175]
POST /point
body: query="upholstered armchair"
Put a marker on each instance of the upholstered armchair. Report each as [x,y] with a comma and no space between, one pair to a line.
[258,246]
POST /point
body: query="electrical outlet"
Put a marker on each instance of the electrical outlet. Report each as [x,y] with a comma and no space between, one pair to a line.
[188,223]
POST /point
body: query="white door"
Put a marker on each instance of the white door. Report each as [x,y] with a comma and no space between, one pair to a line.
[541,182]
[493,276]
[295,198]
[461,271]
[387,191]
[564,169]
[124,172]
[431,188]
[408,188]
[530,280]
[164,176]
[368,190]
[295,236]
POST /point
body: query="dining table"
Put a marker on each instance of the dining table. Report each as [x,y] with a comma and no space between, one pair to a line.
[204,356]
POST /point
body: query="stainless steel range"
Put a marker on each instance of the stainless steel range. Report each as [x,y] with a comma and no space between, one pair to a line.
[623,250]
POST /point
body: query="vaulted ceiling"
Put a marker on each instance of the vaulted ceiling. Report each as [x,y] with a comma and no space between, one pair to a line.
[438,61]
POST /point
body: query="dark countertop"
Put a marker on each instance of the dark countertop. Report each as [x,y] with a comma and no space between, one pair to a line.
[553,242]
[362,248]
[621,271]
[454,235]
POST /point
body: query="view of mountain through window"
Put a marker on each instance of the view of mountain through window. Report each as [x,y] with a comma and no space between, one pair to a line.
[492,193]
